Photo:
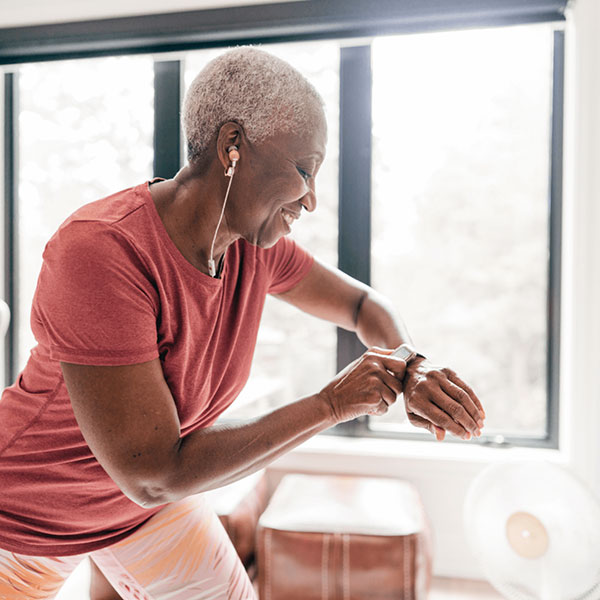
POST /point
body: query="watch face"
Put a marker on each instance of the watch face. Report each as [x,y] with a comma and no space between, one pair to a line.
[403,352]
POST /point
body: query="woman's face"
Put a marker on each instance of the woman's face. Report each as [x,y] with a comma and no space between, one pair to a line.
[276,181]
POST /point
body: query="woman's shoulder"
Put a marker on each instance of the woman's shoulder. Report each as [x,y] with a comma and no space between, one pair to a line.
[111,209]
[101,225]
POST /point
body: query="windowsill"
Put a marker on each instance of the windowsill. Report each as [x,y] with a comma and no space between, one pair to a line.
[341,450]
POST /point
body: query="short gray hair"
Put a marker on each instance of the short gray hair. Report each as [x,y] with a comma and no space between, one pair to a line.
[261,92]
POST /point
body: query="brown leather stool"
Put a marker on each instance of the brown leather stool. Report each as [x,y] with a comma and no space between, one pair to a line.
[344,538]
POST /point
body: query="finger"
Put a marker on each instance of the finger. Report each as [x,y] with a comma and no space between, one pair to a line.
[391,386]
[380,386]
[392,382]
[380,350]
[455,409]
[437,416]
[395,365]
[381,408]
[417,421]
[454,378]
[388,395]
[465,400]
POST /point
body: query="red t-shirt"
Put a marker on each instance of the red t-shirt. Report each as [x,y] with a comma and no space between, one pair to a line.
[115,290]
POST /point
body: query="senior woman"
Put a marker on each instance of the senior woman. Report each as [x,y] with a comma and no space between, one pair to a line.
[146,314]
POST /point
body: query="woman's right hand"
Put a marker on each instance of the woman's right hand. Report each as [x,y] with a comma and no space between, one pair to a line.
[367,386]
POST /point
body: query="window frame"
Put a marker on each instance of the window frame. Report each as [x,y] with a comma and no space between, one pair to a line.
[264,23]
[288,22]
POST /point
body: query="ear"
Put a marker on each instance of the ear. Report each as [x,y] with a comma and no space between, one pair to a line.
[230,134]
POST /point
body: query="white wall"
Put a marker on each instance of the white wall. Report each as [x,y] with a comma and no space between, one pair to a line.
[581,341]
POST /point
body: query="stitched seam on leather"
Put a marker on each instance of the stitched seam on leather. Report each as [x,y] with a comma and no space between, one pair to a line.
[346,565]
[268,533]
[407,594]
[338,565]
[418,586]
[325,568]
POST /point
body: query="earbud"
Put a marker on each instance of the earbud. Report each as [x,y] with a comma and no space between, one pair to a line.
[234,156]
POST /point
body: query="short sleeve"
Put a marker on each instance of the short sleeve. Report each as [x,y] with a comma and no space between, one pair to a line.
[95,303]
[288,263]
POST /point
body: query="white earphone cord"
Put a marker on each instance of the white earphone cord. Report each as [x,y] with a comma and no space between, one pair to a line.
[211,263]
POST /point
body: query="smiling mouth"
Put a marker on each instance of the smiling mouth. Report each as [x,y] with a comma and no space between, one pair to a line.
[289,217]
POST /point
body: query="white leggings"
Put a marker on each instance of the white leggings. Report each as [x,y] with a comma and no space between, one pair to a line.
[181,553]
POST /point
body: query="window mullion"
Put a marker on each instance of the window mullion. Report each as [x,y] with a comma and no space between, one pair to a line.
[167,130]
[354,242]
[555,238]
[11,174]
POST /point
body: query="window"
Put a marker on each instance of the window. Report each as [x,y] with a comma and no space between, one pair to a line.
[456,221]
[460,238]
[85,132]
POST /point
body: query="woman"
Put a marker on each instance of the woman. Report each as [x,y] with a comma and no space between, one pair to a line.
[146,314]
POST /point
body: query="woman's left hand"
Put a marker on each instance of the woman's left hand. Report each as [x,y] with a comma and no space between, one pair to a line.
[438,400]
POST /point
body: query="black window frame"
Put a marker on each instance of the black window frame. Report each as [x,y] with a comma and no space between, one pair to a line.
[278,23]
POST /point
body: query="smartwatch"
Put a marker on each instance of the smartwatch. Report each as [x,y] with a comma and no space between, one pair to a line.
[406,352]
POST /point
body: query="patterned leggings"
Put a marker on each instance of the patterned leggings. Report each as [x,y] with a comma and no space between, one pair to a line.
[182,552]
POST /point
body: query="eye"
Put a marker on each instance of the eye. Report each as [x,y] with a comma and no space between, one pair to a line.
[305,175]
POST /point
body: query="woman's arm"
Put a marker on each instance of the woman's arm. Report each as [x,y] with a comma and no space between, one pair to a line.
[129,420]
[435,398]
[332,295]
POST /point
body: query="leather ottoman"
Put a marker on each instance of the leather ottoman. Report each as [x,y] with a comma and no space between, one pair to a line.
[344,538]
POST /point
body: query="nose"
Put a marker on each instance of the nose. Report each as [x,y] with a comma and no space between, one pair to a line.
[309,200]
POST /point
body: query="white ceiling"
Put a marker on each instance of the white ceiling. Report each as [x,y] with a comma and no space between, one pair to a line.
[15,13]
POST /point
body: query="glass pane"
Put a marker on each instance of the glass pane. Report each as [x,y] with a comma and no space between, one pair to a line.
[296,353]
[461,126]
[86,131]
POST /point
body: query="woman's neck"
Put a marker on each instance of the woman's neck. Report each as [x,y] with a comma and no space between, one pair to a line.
[189,206]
